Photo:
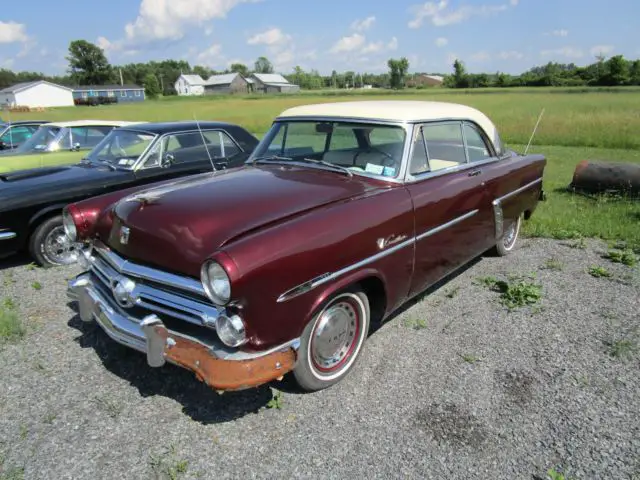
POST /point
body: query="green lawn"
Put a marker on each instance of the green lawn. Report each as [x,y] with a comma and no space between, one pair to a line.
[578,124]
[567,215]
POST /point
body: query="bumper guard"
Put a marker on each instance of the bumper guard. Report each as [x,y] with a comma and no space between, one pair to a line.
[149,335]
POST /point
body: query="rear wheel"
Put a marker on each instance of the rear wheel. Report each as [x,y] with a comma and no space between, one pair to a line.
[510,236]
[49,245]
[332,341]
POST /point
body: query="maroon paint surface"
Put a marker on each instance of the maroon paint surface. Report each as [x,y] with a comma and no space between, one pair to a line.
[276,227]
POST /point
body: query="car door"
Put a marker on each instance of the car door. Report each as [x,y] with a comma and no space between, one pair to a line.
[189,153]
[451,205]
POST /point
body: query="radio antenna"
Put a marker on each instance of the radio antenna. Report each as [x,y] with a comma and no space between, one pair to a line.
[213,166]
[534,131]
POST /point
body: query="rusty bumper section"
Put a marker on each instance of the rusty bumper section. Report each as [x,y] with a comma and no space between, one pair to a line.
[219,369]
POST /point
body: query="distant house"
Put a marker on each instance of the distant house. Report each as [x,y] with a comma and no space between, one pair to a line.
[118,93]
[423,80]
[272,83]
[189,85]
[39,93]
[227,83]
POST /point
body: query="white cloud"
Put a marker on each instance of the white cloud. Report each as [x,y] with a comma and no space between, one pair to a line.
[362,25]
[481,56]
[601,50]
[167,19]
[349,43]
[378,47]
[273,36]
[567,52]
[441,15]
[558,33]
[212,55]
[441,42]
[105,44]
[510,55]
[12,32]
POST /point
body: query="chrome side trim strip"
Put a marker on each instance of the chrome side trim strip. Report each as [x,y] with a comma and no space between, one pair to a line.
[147,273]
[451,223]
[518,190]
[328,276]
[498,214]
[7,235]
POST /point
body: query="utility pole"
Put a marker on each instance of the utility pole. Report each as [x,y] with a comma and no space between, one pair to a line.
[121,81]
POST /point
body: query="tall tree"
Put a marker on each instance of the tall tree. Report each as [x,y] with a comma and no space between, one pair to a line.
[398,71]
[460,77]
[151,86]
[240,68]
[619,73]
[263,65]
[88,64]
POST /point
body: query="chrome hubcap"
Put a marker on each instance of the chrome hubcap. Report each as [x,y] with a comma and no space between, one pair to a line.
[511,234]
[58,248]
[335,336]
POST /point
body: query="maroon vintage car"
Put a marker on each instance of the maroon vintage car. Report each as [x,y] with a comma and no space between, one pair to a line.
[343,212]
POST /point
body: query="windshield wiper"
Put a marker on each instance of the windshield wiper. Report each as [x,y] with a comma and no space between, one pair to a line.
[328,164]
[271,158]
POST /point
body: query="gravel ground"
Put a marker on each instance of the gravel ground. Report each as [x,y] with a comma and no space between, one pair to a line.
[454,386]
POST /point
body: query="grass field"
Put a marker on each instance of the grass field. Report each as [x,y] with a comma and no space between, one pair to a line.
[577,124]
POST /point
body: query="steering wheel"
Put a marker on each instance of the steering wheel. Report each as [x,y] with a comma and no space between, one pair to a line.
[389,161]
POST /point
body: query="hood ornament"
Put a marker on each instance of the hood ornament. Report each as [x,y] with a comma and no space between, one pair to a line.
[124,235]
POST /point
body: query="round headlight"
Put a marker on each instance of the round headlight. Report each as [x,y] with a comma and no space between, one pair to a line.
[231,330]
[216,282]
[69,226]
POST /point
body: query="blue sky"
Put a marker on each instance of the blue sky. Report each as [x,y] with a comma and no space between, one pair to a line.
[488,35]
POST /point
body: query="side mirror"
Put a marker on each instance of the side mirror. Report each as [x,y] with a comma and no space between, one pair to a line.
[76,147]
[167,160]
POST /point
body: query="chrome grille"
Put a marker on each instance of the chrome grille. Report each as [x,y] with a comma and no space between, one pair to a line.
[162,296]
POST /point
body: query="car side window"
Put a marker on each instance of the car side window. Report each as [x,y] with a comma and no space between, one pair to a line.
[445,145]
[476,146]
[16,134]
[194,146]
[78,136]
[419,162]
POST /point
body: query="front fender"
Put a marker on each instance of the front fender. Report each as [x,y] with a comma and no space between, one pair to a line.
[325,294]
[43,213]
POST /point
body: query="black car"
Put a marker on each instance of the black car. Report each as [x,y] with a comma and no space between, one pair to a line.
[31,200]
[13,134]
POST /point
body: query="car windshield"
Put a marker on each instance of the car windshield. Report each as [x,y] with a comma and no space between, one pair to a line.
[40,141]
[367,149]
[121,147]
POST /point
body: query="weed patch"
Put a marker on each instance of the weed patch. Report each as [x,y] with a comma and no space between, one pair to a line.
[415,323]
[276,401]
[599,272]
[626,257]
[11,327]
[515,293]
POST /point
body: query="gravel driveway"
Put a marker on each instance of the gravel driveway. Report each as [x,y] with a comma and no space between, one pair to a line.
[455,386]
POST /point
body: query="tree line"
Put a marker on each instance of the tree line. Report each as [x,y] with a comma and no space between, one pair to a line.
[88,65]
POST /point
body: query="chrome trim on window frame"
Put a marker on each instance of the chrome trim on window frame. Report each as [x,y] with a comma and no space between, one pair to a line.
[498,214]
[328,276]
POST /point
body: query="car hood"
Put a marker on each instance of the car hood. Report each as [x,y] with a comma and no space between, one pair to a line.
[178,225]
[37,185]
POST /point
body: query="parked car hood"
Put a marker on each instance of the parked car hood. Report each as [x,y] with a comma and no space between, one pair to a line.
[40,185]
[178,225]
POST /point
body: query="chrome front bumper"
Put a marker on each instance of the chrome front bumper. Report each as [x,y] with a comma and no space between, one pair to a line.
[219,366]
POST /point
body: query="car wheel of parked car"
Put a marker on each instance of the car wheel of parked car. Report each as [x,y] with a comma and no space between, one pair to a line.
[509,237]
[49,245]
[331,342]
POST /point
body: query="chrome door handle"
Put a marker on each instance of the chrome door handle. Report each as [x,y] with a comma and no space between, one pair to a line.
[475,173]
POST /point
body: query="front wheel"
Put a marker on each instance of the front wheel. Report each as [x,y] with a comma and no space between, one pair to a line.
[332,341]
[49,245]
[510,237]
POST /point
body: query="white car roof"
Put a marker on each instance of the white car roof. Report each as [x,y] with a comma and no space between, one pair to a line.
[89,123]
[395,111]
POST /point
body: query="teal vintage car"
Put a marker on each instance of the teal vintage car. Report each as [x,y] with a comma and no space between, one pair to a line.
[58,143]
